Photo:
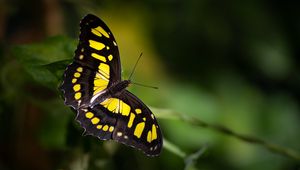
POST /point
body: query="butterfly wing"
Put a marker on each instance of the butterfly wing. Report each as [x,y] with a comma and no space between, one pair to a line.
[125,119]
[96,64]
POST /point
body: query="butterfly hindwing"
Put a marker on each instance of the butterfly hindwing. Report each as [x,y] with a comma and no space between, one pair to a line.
[139,129]
[124,119]
[97,121]
[97,55]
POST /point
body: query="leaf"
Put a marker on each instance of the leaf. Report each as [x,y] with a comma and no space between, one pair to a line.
[46,61]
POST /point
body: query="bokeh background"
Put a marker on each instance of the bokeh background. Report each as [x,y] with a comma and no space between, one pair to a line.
[228,63]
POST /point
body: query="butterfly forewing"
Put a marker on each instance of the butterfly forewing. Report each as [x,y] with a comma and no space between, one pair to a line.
[96,64]
[95,71]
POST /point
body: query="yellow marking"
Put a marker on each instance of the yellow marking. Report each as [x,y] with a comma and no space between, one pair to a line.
[79,69]
[138,111]
[89,115]
[131,119]
[99,57]
[149,136]
[99,126]
[105,128]
[113,106]
[76,87]
[115,43]
[110,57]
[81,57]
[111,129]
[96,45]
[77,95]
[76,74]
[144,118]
[116,106]
[95,120]
[106,102]
[154,134]
[107,47]
[99,85]
[102,31]
[125,109]
[119,134]
[139,129]
[104,70]
[82,50]
[96,32]
[74,80]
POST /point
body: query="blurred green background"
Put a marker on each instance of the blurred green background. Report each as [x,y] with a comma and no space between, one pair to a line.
[230,63]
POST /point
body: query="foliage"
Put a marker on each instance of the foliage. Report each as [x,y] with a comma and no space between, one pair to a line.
[227,76]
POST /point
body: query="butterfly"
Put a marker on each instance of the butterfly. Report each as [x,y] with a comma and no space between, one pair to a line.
[92,85]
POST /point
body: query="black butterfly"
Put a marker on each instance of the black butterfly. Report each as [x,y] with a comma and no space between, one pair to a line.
[92,85]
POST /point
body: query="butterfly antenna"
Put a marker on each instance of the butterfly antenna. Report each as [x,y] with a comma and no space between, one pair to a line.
[143,85]
[135,66]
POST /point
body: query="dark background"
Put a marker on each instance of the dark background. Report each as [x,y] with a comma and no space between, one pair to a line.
[230,63]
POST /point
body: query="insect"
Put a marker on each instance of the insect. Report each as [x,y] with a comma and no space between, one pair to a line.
[92,86]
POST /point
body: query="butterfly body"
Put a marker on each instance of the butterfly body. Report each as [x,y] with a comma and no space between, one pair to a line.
[115,90]
[92,86]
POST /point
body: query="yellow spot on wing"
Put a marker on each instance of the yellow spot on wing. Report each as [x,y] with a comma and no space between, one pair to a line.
[110,57]
[79,69]
[113,106]
[99,126]
[131,119]
[106,102]
[116,105]
[154,134]
[99,57]
[105,128]
[89,115]
[111,129]
[94,31]
[95,120]
[99,85]
[139,129]
[102,31]
[96,45]
[74,80]
[138,111]
[76,87]
[77,95]
[149,136]
[104,70]
[77,74]
[125,109]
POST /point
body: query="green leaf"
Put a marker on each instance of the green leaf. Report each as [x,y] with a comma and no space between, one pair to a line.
[46,61]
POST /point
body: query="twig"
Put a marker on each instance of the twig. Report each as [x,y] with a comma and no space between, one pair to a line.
[246,138]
